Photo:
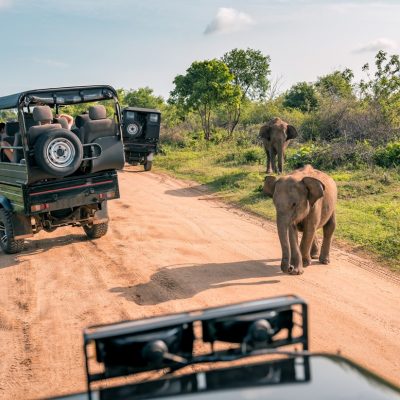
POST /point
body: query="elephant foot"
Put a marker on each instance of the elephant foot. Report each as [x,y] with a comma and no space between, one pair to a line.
[306,262]
[292,270]
[324,260]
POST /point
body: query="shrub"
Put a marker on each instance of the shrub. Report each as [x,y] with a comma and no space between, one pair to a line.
[389,155]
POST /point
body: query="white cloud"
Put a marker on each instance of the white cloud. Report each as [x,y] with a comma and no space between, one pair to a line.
[228,20]
[376,45]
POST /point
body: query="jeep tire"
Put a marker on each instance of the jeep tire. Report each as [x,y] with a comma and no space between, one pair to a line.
[7,241]
[96,231]
[58,152]
[148,165]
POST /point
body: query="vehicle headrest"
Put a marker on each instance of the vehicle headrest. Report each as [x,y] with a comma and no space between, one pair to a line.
[97,112]
[42,113]
[62,121]
[12,127]
[80,120]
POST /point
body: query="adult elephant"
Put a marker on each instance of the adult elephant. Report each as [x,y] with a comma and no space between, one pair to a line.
[305,201]
[276,135]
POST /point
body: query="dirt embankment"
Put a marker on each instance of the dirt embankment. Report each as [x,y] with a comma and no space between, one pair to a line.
[171,247]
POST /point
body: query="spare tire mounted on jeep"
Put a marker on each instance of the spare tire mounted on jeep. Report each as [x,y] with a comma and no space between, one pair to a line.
[58,152]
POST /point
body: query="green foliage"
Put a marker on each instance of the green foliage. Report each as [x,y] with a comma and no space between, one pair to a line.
[301,96]
[336,85]
[142,97]
[389,155]
[331,156]
[205,86]
[7,115]
[250,70]
[383,89]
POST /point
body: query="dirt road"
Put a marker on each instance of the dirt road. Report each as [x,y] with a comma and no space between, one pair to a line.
[171,248]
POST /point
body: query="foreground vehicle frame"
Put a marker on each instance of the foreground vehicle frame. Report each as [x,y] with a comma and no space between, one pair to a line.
[215,340]
[63,177]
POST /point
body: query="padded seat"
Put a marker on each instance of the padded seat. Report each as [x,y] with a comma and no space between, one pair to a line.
[43,116]
[97,125]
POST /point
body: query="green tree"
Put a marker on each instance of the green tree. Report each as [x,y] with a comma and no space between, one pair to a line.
[302,96]
[142,97]
[205,86]
[337,85]
[383,89]
[250,69]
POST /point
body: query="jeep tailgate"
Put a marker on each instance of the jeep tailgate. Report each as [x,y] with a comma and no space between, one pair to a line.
[71,192]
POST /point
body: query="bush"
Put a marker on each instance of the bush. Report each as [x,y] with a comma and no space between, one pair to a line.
[389,155]
[331,156]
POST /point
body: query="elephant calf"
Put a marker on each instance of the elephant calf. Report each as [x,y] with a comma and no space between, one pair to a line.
[305,201]
[276,135]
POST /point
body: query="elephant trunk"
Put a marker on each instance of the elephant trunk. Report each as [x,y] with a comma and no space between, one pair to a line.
[283,232]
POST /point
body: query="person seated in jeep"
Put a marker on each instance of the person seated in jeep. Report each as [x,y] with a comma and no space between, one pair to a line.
[4,144]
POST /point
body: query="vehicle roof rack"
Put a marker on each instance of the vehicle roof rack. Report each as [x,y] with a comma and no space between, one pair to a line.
[167,342]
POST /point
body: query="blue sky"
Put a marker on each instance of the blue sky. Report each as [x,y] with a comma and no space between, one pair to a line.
[131,44]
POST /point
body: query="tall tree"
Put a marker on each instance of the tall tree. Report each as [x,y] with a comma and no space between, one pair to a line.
[142,97]
[302,96]
[250,69]
[205,86]
[337,84]
[383,89]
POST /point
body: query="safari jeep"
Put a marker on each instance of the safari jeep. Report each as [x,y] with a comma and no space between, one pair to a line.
[53,176]
[141,131]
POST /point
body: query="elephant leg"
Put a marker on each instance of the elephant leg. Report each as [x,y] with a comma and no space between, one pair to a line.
[315,248]
[273,160]
[328,229]
[296,265]
[280,161]
[305,245]
[269,166]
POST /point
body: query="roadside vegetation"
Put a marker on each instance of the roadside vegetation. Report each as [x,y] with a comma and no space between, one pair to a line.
[348,128]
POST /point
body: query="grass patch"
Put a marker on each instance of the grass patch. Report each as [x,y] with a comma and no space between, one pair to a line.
[368,211]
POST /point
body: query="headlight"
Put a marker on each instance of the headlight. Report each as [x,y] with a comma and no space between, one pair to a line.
[153,117]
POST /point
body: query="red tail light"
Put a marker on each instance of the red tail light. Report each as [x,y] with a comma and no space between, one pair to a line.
[40,207]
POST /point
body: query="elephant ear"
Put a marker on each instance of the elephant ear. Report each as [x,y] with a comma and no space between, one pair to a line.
[291,132]
[265,132]
[315,189]
[269,185]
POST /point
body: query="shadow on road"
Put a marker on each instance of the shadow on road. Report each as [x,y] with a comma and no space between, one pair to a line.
[183,282]
[39,246]
[191,191]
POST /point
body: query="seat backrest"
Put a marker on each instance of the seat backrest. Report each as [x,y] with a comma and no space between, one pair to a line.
[42,115]
[97,125]
[12,127]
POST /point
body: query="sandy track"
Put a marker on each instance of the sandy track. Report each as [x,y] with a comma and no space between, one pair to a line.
[172,247]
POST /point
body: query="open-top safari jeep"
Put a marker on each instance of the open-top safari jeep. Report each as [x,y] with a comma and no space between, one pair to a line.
[57,176]
[141,130]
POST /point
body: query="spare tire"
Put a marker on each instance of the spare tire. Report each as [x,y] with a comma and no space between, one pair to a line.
[59,152]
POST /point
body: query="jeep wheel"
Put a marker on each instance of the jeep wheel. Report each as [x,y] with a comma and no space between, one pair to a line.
[7,240]
[59,152]
[96,231]
[148,165]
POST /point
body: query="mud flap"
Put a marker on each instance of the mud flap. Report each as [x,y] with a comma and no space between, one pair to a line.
[22,226]
[101,215]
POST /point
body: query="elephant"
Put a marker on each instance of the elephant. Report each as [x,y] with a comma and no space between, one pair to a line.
[276,136]
[305,200]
